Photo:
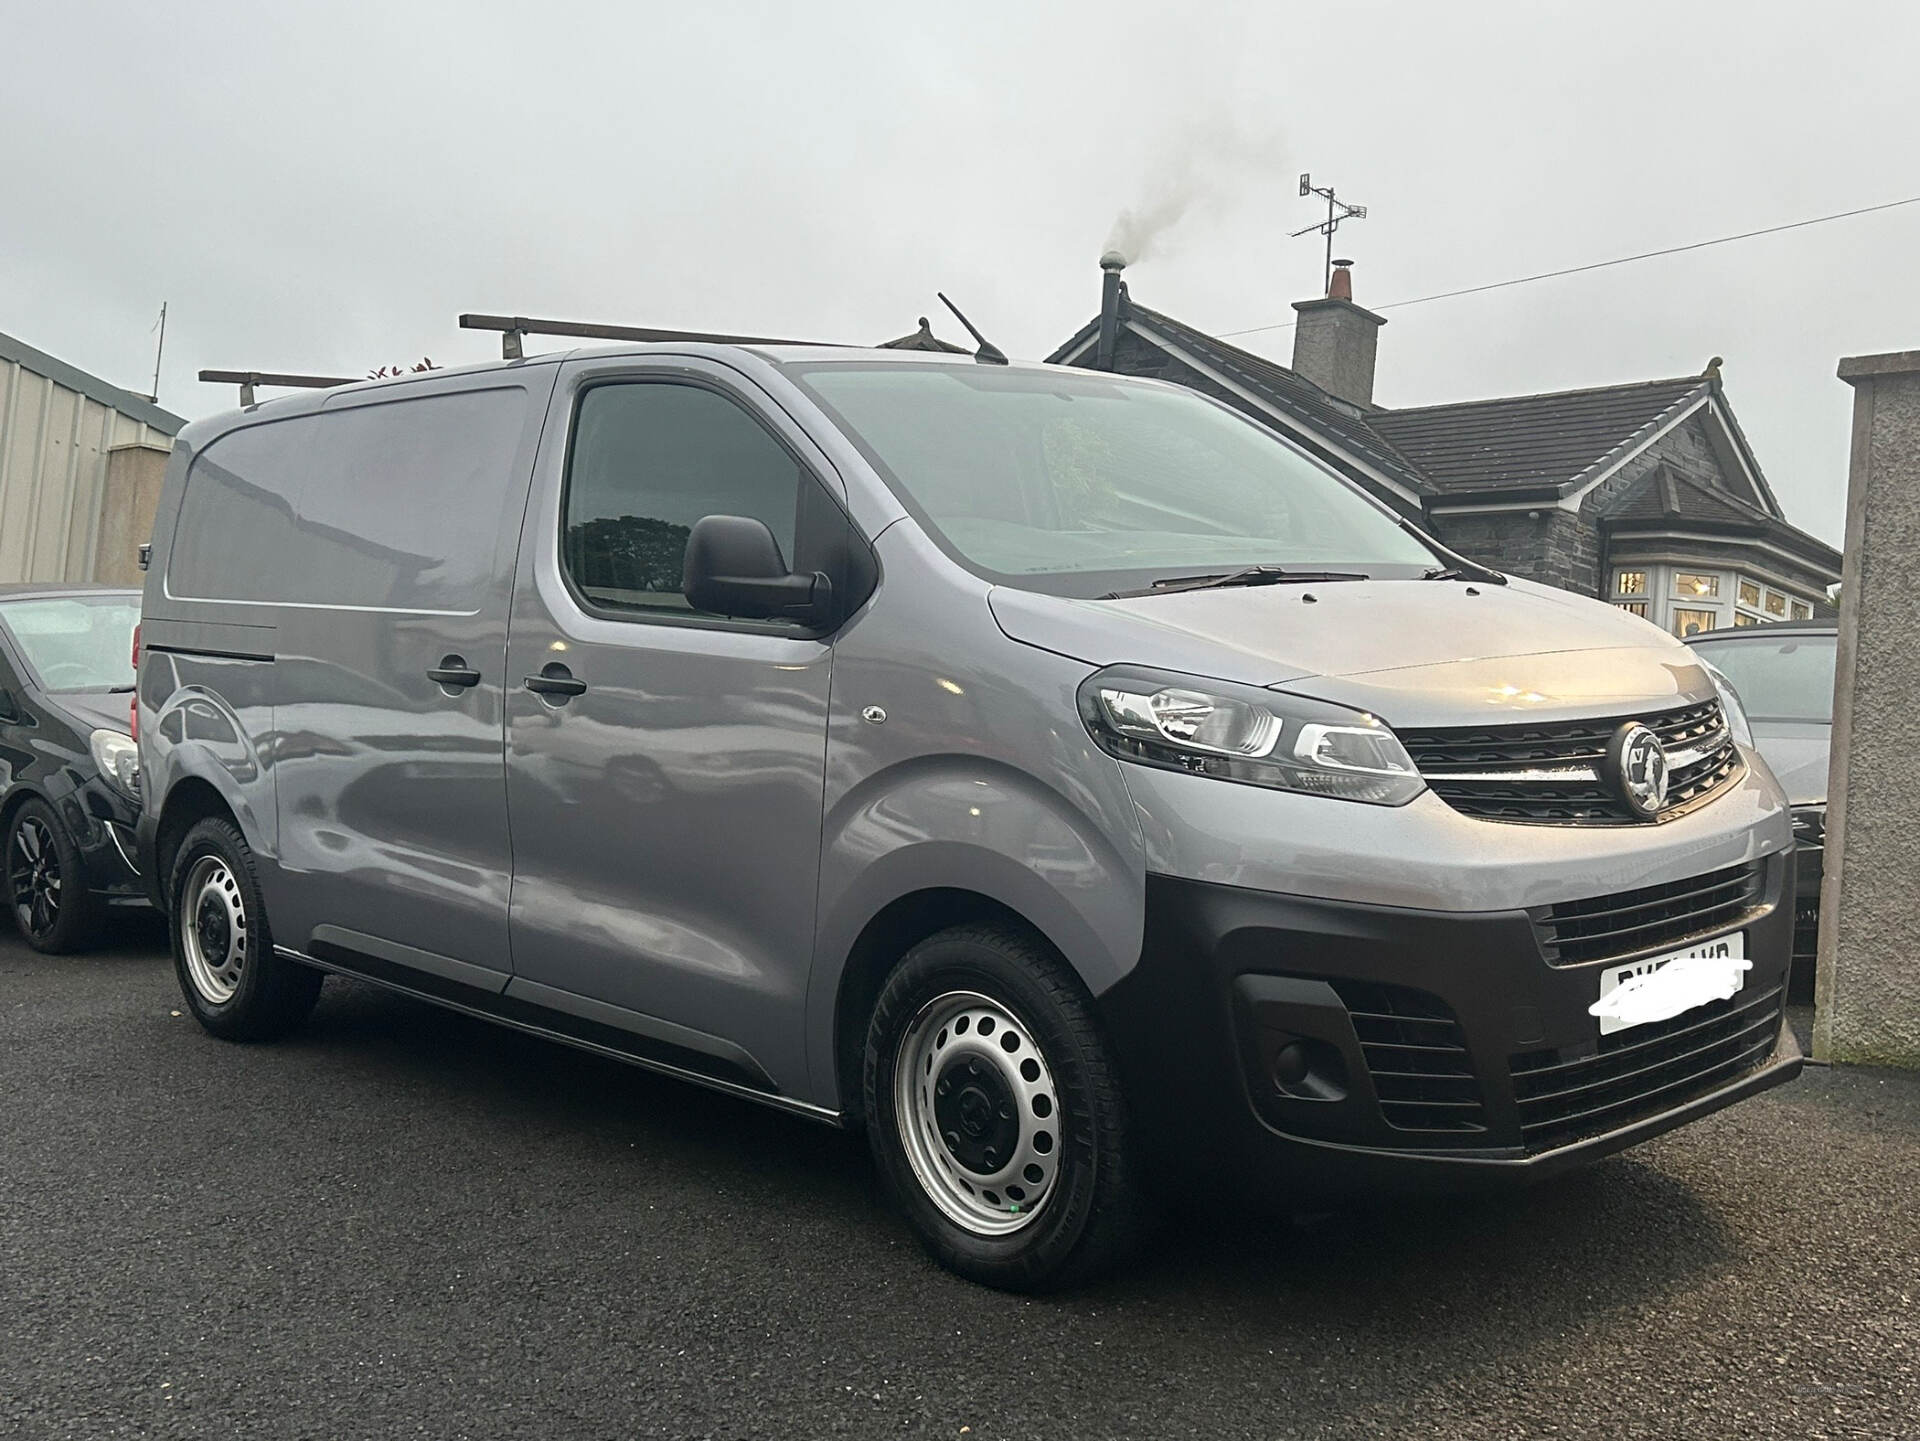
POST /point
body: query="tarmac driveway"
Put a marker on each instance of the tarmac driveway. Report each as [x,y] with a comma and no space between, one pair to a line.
[406,1223]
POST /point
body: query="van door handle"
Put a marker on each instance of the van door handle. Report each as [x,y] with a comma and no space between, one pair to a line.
[555,680]
[454,671]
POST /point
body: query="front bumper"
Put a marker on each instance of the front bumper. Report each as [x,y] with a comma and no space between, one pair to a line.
[1250,1036]
[100,822]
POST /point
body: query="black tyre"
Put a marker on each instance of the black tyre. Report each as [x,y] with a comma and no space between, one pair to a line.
[47,882]
[222,947]
[995,1112]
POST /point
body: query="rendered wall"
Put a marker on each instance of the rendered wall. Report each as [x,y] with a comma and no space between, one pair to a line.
[1868,992]
[128,500]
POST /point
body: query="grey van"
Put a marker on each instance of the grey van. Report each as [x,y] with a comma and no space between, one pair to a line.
[1070,783]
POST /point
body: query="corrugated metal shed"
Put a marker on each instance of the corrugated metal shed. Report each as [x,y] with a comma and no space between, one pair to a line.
[59,428]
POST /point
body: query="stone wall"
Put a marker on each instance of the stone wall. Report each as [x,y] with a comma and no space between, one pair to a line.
[1686,450]
[1553,546]
[1867,991]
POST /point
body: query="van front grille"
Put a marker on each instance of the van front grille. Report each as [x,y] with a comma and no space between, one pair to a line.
[1418,1060]
[1552,772]
[1649,920]
[1639,1072]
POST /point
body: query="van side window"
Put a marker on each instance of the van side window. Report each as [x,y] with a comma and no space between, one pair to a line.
[391,506]
[649,459]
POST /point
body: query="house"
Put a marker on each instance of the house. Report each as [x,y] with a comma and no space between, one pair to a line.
[1645,494]
[80,468]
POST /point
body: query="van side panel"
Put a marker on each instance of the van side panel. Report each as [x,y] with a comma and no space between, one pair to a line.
[666,819]
[979,778]
[365,540]
[204,691]
[206,698]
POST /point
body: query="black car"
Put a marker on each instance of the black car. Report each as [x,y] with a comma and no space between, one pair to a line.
[69,769]
[1783,674]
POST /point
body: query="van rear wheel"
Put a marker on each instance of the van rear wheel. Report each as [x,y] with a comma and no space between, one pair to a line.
[995,1112]
[223,953]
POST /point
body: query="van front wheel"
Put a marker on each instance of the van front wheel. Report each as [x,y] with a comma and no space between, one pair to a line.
[995,1112]
[223,953]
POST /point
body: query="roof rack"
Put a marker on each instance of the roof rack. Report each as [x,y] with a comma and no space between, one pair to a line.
[515,328]
[248,379]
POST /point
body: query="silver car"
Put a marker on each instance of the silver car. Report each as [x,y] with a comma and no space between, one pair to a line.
[1783,673]
[1061,778]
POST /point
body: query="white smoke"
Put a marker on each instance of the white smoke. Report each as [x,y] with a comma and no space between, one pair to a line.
[1200,168]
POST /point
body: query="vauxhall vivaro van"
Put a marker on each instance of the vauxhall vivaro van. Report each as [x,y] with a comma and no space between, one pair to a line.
[1071,783]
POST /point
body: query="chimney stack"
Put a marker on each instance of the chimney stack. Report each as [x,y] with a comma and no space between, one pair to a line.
[1334,340]
[1111,264]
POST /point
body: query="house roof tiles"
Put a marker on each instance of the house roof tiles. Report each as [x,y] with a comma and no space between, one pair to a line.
[1531,442]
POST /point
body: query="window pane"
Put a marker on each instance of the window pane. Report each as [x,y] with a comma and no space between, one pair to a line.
[1692,585]
[1082,483]
[1742,618]
[74,643]
[395,505]
[1692,622]
[1750,593]
[1630,582]
[649,460]
[1802,611]
[1781,677]
[1635,607]
[1776,603]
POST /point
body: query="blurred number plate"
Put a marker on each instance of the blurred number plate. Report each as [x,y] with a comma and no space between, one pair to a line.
[1662,987]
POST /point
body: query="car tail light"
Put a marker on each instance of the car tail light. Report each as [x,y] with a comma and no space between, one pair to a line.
[133,701]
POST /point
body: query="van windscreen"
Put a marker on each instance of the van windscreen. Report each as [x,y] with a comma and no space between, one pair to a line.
[1080,483]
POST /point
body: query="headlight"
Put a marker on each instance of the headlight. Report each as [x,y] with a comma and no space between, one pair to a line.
[1736,713]
[1240,733]
[118,759]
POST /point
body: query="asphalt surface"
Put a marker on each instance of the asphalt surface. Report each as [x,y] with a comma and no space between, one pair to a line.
[405,1223]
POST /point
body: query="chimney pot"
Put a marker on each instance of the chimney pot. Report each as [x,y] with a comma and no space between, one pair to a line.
[1340,283]
[1111,290]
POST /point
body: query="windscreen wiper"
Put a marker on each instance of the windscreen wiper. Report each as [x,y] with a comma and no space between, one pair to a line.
[1458,567]
[1252,575]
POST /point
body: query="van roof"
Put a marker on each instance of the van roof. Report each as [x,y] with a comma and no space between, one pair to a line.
[301,402]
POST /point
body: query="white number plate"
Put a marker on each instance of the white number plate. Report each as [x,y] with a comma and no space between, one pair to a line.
[1662,987]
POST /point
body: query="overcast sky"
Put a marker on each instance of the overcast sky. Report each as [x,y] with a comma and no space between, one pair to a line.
[324,188]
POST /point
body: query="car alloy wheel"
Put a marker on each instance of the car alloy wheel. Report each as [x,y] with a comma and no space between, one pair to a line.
[33,877]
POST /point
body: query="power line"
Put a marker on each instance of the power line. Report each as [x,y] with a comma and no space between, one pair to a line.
[1604,264]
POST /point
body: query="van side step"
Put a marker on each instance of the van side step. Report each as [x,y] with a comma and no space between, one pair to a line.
[737,1073]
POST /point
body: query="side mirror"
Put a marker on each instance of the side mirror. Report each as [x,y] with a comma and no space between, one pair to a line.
[733,568]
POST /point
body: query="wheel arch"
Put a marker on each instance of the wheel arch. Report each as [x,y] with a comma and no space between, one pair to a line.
[189,801]
[894,930]
[945,839]
[16,798]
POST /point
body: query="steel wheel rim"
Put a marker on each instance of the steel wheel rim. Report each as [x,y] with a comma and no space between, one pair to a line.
[213,930]
[989,1172]
[33,877]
